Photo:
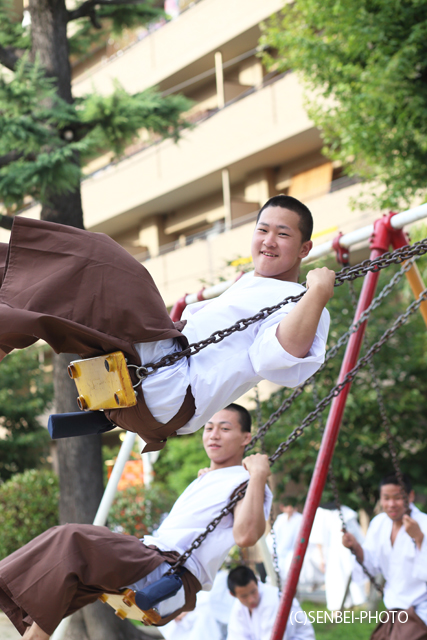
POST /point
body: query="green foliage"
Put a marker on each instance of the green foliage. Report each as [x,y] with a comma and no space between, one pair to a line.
[114,120]
[179,462]
[362,456]
[28,506]
[44,140]
[137,510]
[112,19]
[25,392]
[12,33]
[367,64]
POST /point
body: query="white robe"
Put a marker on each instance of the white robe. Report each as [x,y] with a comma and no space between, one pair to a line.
[222,372]
[338,560]
[210,617]
[403,565]
[203,500]
[285,532]
[258,625]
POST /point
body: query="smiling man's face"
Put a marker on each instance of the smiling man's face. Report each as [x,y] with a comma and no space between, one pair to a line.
[277,245]
[392,501]
[224,440]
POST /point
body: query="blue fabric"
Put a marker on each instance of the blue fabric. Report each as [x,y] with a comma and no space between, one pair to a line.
[166,587]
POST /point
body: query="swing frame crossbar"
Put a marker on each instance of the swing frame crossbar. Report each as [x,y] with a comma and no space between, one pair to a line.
[386,231]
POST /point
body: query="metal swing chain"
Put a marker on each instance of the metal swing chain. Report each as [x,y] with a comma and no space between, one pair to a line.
[348,273]
[274,555]
[331,353]
[259,420]
[369,575]
[334,486]
[383,413]
[296,433]
[272,531]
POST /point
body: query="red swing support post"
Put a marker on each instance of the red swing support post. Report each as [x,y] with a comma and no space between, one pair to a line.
[383,236]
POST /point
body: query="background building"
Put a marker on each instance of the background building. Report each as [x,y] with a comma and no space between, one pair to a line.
[187,209]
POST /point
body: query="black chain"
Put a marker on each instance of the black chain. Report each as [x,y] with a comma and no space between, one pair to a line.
[383,413]
[369,575]
[275,556]
[347,274]
[330,354]
[334,486]
[311,417]
[259,420]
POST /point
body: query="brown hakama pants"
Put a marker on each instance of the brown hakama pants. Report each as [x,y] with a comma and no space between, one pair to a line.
[84,294]
[413,629]
[69,566]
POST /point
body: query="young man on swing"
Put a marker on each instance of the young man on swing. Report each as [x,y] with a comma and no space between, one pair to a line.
[69,566]
[396,547]
[83,293]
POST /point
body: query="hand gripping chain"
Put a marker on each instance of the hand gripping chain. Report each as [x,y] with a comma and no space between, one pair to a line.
[311,417]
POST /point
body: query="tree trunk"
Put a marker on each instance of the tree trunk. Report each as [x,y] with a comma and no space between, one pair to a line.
[80,460]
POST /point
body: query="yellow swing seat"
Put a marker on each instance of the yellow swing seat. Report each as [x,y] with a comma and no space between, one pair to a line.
[103,382]
[124,604]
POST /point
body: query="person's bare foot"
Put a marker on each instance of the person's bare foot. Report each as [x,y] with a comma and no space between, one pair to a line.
[35,633]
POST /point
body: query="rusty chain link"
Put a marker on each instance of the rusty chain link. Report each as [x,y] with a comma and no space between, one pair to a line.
[298,431]
[348,273]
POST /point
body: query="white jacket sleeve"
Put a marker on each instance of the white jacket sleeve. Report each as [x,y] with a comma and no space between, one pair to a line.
[273,363]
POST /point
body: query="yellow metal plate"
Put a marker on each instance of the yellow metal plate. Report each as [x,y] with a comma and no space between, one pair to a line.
[103,382]
[125,607]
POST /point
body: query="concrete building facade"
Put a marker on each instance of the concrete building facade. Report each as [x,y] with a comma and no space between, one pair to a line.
[187,209]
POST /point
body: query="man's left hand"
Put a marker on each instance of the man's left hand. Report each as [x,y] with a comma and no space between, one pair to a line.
[413,529]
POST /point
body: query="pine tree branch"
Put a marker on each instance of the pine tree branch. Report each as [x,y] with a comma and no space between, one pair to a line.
[87,9]
[9,57]
[8,158]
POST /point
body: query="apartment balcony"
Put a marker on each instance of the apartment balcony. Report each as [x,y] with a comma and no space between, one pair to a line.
[265,128]
[183,48]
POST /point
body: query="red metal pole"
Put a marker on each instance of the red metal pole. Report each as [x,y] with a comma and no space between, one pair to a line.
[380,242]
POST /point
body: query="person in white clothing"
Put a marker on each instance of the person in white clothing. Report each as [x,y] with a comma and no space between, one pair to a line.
[212,612]
[336,562]
[285,348]
[396,547]
[284,534]
[69,566]
[254,612]
[63,296]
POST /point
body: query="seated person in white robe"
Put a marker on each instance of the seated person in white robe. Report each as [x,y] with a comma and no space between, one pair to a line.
[69,566]
[396,547]
[255,609]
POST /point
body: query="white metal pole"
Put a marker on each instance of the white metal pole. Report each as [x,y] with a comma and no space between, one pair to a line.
[267,560]
[113,482]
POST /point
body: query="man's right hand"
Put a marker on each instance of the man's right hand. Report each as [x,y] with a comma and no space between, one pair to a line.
[349,540]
